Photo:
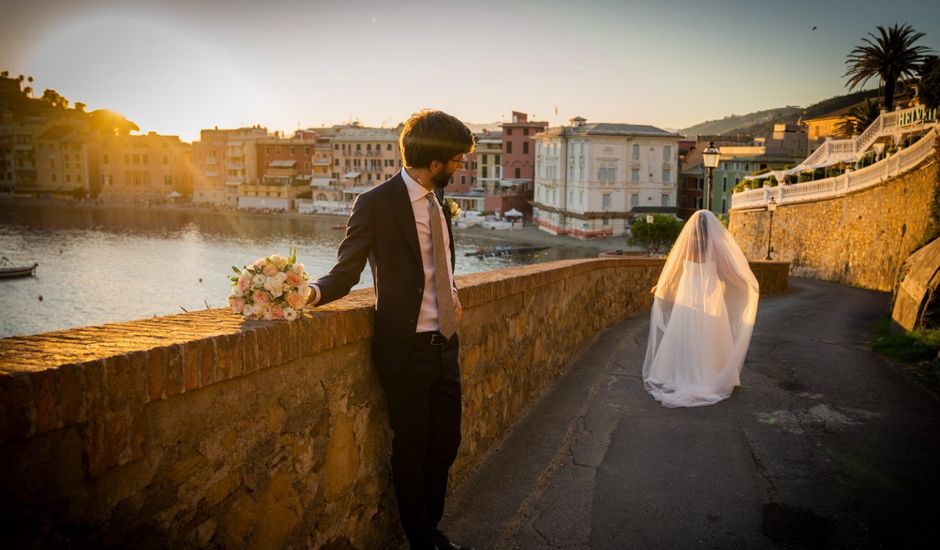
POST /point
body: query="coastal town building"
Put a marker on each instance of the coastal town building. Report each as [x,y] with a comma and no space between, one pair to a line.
[516,188]
[146,168]
[61,152]
[592,179]
[365,156]
[690,191]
[224,160]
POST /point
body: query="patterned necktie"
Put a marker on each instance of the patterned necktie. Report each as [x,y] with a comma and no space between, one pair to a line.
[446,317]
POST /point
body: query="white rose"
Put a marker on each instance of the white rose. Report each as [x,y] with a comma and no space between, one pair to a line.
[279,261]
[258,280]
[275,286]
[236,293]
[281,277]
[290,313]
[298,269]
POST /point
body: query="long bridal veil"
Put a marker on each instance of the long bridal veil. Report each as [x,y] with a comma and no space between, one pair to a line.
[702,318]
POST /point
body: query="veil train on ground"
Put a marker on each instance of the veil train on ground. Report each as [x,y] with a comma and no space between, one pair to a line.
[702,318]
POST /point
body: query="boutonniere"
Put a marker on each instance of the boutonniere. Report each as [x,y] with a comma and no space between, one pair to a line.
[451,206]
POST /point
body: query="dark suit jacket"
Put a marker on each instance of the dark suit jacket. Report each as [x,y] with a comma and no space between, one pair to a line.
[382,229]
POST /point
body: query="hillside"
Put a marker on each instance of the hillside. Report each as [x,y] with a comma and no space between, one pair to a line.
[762,122]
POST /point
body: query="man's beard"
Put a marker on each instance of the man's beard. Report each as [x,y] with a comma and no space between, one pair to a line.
[441,180]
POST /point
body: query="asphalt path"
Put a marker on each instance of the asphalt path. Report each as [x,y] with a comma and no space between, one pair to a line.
[824,445]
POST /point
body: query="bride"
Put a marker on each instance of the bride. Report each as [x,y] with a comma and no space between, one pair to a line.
[702,318]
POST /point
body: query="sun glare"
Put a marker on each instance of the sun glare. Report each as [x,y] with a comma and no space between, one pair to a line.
[164,76]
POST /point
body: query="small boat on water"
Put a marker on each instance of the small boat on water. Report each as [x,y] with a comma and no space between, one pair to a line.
[503,250]
[13,272]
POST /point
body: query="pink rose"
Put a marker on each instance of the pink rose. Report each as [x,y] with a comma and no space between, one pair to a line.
[293,279]
[244,281]
[261,297]
[277,313]
[296,300]
[270,270]
[237,304]
[259,263]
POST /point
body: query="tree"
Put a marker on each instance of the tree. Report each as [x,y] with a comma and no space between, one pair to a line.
[859,117]
[929,88]
[54,99]
[108,122]
[890,56]
[657,236]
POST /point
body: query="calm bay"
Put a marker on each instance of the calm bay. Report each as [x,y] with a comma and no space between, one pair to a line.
[102,264]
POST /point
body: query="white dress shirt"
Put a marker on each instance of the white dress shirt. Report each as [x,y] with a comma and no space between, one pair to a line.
[427,316]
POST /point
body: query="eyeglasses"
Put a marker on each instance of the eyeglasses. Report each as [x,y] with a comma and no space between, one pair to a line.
[461,162]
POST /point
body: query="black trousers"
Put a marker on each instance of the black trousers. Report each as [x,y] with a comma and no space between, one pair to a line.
[424,403]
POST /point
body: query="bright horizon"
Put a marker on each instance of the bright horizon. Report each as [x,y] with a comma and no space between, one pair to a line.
[176,67]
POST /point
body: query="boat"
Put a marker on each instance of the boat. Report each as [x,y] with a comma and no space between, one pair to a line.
[504,250]
[13,272]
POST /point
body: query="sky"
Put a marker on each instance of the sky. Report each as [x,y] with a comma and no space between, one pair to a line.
[176,66]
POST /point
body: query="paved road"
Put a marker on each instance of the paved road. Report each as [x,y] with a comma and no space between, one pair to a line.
[824,445]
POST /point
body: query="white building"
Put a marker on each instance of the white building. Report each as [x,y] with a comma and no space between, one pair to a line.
[592,179]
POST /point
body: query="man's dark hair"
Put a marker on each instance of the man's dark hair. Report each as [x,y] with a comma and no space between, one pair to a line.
[433,135]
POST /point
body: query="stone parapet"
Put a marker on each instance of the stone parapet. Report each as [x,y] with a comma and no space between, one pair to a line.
[861,238]
[203,429]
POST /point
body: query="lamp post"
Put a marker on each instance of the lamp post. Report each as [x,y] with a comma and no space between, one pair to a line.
[710,157]
[771,208]
[649,219]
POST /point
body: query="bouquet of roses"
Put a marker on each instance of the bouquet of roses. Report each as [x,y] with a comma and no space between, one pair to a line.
[271,288]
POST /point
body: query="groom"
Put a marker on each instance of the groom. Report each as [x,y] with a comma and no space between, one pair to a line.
[402,229]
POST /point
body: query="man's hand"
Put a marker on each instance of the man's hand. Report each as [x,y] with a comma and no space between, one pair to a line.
[653,290]
[458,310]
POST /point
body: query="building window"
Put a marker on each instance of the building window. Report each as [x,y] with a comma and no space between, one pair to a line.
[605,200]
[168,181]
[665,199]
[508,147]
[525,147]
[634,199]
[666,175]
[508,131]
[518,173]
[635,175]
[667,153]
[636,151]
[104,159]
[525,131]
[166,159]
[463,179]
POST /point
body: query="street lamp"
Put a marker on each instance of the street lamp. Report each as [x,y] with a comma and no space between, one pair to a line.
[771,208]
[710,157]
[649,219]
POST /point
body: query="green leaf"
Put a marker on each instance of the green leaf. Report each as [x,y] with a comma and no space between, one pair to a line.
[236,270]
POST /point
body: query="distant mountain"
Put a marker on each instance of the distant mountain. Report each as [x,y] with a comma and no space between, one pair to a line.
[735,123]
[479,127]
[762,122]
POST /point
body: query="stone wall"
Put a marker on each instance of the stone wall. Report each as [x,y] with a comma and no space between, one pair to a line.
[201,429]
[861,239]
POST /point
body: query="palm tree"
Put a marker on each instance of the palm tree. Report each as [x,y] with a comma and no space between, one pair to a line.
[890,56]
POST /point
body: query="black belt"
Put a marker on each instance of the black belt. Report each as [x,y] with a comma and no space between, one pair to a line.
[434,338]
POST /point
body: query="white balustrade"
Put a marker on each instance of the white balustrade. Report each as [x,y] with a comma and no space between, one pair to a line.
[868,176]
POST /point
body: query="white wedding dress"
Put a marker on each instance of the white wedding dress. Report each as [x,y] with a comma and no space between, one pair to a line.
[702,318]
